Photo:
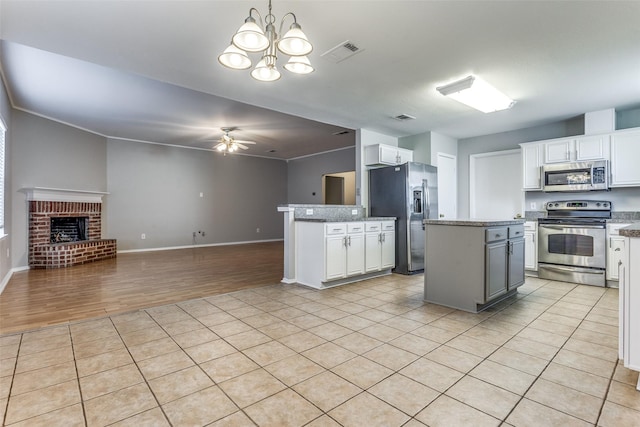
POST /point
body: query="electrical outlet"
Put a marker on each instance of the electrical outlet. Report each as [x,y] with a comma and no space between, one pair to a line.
[194,234]
[309,211]
[533,206]
[258,230]
[201,194]
[143,236]
[354,211]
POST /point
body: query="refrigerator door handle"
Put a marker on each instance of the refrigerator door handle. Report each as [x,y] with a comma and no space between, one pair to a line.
[426,210]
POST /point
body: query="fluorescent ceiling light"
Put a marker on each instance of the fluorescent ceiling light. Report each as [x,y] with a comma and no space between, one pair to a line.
[478,94]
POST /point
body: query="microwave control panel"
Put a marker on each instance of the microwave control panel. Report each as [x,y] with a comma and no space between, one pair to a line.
[599,175]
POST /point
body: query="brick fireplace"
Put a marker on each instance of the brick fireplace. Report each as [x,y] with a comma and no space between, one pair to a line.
[60,246]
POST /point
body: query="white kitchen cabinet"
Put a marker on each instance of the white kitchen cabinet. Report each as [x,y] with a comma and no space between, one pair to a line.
[334,253]
[531,245]
[629,301]
[531,162]
[615,250]
[379,245]
[625,152]
[581,149]
[381,154]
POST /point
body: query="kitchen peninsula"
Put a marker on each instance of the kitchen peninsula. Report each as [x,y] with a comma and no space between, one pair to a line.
[471,264]
[331,245]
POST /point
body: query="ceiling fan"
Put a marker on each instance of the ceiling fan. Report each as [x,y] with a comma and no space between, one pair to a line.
[228,144]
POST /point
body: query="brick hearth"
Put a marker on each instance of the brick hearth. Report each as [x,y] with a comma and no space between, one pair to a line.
[44,254]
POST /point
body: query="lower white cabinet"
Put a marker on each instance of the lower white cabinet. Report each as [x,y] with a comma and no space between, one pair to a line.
[531,245]
[380,240]
[615,250]
[328,253]
[629,294]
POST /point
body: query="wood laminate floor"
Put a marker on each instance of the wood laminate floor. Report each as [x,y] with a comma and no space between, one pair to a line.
[37,298]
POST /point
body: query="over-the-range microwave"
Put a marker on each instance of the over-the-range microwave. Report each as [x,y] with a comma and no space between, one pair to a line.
[577,176]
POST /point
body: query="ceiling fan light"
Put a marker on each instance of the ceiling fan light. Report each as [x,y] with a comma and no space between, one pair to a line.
[221,147]
[295,42]
[265,73]
[234,58]
[478,94]
[250,37]
[299,65]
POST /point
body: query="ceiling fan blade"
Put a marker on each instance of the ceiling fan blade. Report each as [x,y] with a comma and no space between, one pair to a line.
[244,147]
[219,145]
[244,142]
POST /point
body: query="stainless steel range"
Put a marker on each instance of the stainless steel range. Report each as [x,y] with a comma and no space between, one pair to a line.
[572,241]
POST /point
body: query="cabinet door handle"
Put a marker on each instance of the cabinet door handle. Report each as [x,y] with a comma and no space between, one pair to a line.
[349,240]
[616,250]
[379,237]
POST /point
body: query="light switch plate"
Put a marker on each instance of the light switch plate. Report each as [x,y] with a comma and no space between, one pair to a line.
[354,211]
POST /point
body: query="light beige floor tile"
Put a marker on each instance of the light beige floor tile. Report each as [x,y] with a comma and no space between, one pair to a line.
[43,359]
[152,349]
[560,319]
[392,357]
[330,331]
[373,314]
[286,408]
[447,412]
[227,367]
[93,348]
[489,335]
[210,320]
[556,328]
[585,363]
[260,320]
[323,421]
[454,358]
[294,369]
[614,415]
[564,399]
[367,410]
[247,339]
[251,387]
[10,340]
[151,418]
[9,351]
[362,372]
[624,395]
[357,342]
[280,330]
[474,392]
[230,328]
[116,406]
[142,336]
[451,325]
[532,348]
[625,375]
[179,384]
[403,324]
[576,379]
[520,361]
[381,332]
[287,313]
[302,341]
[195,337]
[53,342]
[404,393]
[102,331]
[133,322]
[164,364]
[501,326]
[200,408]
[354,322]
[599,327]
[432,374]
[7,366]
[472,345]
[329,355]
[210,350]
[592,349]
[352,307]
[103,362]
[45,333]
[541,336]
[596,338]
[510,379]
[246,311]
[327,390]
[41,378]
[237,419]
[268,353]
[69,416]
[109,381]
[529,413]
[41,401]
[415,344]
[5,386]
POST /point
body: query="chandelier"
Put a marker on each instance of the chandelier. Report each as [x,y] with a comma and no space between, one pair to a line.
[253,38]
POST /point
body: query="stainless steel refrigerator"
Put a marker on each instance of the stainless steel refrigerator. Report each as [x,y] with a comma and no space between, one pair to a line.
[410,193]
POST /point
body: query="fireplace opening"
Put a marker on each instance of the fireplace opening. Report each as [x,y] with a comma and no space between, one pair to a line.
[69,229]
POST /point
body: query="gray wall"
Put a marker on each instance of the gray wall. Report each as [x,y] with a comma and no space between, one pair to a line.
[155,189]
[5,242]
[421,146]
[305,173]
[50,154]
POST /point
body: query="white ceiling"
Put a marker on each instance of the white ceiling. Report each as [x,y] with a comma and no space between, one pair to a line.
[147,70]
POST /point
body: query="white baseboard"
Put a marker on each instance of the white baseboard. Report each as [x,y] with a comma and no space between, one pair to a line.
[168,248]
[7,277]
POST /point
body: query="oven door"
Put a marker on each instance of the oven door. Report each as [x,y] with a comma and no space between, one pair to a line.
[573,245]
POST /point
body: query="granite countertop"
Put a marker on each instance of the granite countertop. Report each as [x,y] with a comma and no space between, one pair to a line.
[632,230]
[472,222]
[372,218]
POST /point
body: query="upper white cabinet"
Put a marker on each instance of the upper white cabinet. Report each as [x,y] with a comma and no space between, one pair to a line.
[531,162]
[625,152]
[577,150]
[381,154]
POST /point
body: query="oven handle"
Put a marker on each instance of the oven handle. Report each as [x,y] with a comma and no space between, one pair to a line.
[561,227]
[571,270]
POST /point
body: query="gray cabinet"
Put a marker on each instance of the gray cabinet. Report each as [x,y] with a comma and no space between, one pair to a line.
[504,260]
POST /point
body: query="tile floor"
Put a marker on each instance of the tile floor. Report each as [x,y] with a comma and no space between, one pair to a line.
[365,354]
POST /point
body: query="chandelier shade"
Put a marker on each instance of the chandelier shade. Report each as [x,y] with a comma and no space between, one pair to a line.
[254,37]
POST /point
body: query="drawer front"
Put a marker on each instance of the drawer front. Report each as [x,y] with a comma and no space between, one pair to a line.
[337,228]
[389,226]
[355,227]
[531,225]
[614,229]
[495,234]
[372,226]
[516,231]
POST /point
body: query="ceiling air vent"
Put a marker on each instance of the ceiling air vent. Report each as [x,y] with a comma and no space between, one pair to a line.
[403,117]
[341,132]
[341,52]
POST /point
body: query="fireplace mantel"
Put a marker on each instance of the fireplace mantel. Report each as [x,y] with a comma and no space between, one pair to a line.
[62,195]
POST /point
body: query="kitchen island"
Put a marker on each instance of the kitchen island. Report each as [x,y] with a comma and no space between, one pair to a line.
[471,264]
[629,293]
